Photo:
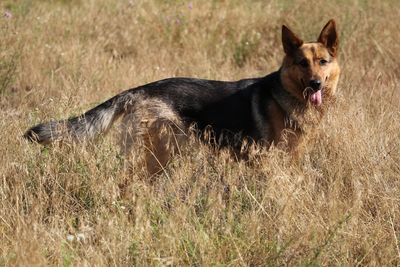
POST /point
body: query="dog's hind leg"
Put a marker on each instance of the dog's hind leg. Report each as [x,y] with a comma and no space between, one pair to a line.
[162,140]
[152,132]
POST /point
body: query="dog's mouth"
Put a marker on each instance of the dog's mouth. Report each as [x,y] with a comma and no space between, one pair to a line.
[315,97]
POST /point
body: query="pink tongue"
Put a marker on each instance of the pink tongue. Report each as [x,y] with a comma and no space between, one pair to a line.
[316,98]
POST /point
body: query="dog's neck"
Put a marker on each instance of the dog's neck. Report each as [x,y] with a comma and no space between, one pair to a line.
[293,108]
[298,115]
[287,101]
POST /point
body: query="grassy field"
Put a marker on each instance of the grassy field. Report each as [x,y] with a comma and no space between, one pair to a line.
[74,205]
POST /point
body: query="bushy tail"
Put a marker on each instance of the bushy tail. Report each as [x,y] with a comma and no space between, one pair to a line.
[83,127]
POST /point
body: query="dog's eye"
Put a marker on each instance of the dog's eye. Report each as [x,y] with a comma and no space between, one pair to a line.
[303,63]
[323,62]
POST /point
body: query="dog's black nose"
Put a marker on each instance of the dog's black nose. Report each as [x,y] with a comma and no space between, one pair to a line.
[315,84]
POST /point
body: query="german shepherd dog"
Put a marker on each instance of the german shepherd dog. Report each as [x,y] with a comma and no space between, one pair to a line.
[280,109]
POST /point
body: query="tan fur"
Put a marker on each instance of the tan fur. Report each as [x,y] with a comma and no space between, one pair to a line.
[277,117]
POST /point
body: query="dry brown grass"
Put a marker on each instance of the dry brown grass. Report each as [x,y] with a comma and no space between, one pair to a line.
[339,207]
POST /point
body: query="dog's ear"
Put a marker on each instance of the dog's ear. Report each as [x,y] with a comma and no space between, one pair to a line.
[290,41]
[329,37]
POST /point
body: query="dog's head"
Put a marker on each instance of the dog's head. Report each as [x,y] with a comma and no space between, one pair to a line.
[310,71]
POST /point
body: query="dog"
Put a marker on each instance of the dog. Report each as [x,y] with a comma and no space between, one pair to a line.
[280,109]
